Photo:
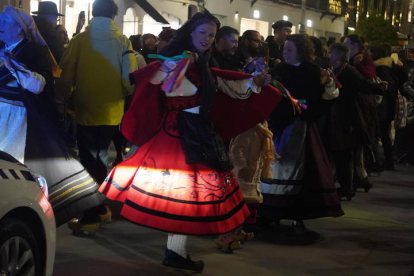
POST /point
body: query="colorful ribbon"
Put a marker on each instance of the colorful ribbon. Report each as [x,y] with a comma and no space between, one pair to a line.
[297,105]
[176,76]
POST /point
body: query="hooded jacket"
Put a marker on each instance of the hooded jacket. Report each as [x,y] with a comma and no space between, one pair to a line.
[95,68]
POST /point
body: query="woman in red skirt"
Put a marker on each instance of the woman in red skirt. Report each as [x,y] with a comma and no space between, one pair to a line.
[180,179]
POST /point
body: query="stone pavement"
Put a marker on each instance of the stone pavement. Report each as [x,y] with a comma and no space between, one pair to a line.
[375,237]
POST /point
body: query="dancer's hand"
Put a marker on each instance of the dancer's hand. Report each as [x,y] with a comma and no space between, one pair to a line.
[263,78]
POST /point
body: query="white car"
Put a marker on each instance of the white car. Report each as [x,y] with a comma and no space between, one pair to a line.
[27,223]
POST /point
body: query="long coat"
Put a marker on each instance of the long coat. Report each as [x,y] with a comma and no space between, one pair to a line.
[349,126]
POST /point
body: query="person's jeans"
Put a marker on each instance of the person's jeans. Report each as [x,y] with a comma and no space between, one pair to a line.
[93,144]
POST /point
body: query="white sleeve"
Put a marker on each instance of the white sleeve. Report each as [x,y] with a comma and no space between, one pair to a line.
[331,91]
[140,61]
[238,89]
[32,81]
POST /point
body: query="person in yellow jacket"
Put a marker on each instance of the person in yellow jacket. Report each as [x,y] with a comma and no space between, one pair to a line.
[95,71]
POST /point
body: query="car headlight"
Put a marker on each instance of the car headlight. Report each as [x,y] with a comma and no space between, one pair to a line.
[42,183]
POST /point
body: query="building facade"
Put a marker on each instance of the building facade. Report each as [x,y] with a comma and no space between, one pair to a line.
[322,17]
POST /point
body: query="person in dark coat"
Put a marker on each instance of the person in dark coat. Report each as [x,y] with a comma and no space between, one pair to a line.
[349,129]
[226,44]
[302,186]
[364,64]
[46,21]
[250,49]
[149,46]
[281,30]
[386,109]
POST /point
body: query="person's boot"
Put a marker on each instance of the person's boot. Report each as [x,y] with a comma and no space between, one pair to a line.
[175,260]
[87,228]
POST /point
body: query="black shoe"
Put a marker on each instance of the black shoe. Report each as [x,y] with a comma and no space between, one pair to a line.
[299,228]
[345,193]
[173,259]
[363,184]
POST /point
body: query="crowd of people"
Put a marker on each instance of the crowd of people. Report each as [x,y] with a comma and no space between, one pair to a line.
[222,128]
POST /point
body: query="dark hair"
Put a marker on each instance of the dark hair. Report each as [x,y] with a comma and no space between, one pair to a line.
[182,41]
[342,49]
[167,34]
[248,35]
[145,37]
[354,38]
[225,32]
[304,47]
[317,44]
[388,49]
[104,8]
[377,52]
[136,42]
[270,38]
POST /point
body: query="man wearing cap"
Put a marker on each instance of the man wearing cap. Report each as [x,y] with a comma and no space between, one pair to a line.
[46,21]
[281,30]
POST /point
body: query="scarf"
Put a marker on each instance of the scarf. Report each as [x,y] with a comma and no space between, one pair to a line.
[268,151]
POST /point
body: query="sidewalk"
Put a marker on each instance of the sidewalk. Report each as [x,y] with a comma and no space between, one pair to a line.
[375,237]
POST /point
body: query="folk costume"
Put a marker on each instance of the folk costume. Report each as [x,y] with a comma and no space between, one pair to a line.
[252,153]
[180,179]
[302,186]
[28,121]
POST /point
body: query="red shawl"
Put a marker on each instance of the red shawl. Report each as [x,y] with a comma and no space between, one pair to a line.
[231,116]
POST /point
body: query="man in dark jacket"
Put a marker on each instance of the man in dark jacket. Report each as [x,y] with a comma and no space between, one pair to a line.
[386,108]
[227,41]
[46,21]
[281,29]
[250,48]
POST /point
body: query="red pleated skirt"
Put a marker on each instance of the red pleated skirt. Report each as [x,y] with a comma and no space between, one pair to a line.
[160,190]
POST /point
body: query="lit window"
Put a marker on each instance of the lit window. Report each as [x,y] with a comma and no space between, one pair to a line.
[130,23]
[309,23]
[256,14]
[285,17]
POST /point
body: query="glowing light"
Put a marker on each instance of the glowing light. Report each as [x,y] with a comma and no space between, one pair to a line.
[285,17]
[309,23]
[256,14]
[351,28]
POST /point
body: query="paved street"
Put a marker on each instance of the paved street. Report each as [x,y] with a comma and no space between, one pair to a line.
[375,237]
